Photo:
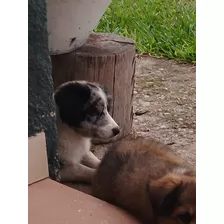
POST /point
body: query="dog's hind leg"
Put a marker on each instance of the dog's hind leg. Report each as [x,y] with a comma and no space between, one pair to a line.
[90,160]
[76,173]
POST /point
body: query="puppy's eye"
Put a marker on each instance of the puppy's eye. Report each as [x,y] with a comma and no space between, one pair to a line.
[185,218]
[89,119]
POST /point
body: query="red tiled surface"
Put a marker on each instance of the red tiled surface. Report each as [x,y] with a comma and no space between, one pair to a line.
[53,203]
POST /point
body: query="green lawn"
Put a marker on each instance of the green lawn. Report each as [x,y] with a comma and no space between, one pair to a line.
[163,28]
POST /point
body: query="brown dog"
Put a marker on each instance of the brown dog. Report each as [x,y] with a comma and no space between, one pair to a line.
[145,178]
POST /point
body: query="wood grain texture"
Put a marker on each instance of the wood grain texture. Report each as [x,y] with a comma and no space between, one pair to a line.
[109,60]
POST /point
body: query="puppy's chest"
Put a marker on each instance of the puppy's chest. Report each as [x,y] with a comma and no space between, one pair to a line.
[72,151]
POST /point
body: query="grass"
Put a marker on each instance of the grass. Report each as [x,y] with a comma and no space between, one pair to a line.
[163,28]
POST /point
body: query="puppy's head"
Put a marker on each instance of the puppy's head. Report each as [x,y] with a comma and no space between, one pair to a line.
[85,107]
[173,198]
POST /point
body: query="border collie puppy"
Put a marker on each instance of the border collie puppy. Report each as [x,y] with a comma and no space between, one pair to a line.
[82,113]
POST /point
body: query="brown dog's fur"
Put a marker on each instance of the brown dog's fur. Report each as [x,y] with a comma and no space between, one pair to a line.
[148,180]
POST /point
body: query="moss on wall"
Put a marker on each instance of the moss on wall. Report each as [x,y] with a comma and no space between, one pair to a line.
[41,114]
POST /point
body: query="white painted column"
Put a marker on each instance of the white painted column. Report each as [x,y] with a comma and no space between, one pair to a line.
[71,21]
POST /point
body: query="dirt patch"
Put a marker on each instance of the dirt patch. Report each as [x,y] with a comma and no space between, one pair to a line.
[164,106]
[165,91]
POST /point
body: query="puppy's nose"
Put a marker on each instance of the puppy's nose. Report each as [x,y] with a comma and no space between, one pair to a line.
[116,131]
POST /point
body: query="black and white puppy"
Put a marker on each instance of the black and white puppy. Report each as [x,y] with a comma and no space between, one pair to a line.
[82,113]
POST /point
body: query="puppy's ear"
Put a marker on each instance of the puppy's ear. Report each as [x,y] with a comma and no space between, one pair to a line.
[109,103]
[109,98]
[164,194]
[71,94]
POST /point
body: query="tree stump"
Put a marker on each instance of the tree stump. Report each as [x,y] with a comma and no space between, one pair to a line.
[109,60]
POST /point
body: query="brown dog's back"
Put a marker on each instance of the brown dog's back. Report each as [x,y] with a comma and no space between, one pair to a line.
[147,179]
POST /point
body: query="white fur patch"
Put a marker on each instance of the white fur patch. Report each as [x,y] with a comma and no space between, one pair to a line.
[72,146]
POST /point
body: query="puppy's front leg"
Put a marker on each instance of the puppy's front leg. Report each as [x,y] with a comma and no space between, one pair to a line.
[76,173]
[90,160]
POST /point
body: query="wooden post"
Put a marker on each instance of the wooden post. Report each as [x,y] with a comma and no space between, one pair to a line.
[109,60]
